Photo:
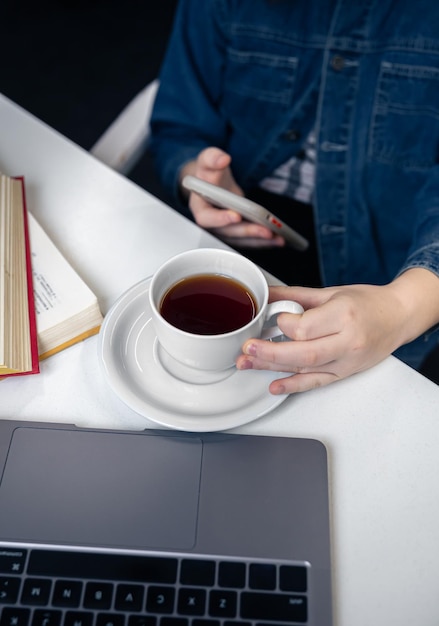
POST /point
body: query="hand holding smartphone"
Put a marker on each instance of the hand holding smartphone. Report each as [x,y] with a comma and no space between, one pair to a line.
[250,210]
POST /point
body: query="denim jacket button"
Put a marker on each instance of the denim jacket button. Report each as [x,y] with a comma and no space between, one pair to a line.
[337,63]
[292,134]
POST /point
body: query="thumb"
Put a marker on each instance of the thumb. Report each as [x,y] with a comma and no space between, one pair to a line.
[212,159]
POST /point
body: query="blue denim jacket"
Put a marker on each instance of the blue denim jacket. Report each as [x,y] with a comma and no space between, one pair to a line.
[254,77]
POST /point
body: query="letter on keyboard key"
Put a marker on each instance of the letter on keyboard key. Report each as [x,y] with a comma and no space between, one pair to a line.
[110,619]
[43,617]
[142,620]
[10,616]
[160,599]
[222,603]
[12,561]
[98,596]
[67,593]
[274,607]
[129,598]
[191,601]
[9,588]
[78,618]
[174,621]
[36,591]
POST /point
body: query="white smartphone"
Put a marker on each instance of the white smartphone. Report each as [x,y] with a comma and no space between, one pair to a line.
[252,211]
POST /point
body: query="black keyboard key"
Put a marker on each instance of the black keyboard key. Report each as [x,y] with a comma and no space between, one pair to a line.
[78,618]
[191,601]
[231,574]
[236,623]
[293,578]
[129,598]
[10,616]
[43,617]
[9,588]
[67,594]
[98,596]
[197,572]
[36,591]
[206,622]
[142,620]
[262,576]
[222,603]
[174,621]
[123,567]
[12,561]
[160,599]
[273,607]
[110,619]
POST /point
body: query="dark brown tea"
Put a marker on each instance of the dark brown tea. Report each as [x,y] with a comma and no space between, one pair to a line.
[208,304]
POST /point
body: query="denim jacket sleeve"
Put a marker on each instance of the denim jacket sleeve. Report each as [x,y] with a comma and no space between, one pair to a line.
[424,249]
[186,117]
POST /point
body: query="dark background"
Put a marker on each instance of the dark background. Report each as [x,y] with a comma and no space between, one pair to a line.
[75,64]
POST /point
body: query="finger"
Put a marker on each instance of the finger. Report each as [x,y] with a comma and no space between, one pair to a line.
[291,356]
[209,161]
[248,230]
[322,321]
[301,382]
[253,242]
[213,165]
[329,316]
[208,216]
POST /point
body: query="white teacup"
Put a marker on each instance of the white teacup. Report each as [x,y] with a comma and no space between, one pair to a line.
[197,357]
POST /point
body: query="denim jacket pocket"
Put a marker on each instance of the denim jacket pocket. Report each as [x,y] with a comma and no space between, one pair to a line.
[258,90]
[404,130]
[263,76]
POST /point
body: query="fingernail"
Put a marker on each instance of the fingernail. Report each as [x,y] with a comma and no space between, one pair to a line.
[277,389]
[234,217]
[245,364]
[250,348]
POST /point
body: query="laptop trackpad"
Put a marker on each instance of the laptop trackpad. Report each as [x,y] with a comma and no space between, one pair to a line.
[100,488]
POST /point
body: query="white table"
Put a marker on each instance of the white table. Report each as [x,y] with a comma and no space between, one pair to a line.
[381,428]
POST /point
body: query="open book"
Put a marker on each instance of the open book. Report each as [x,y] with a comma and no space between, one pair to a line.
[67,309]
[61,309]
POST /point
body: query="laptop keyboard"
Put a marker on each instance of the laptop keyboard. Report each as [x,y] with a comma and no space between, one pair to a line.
[50,587]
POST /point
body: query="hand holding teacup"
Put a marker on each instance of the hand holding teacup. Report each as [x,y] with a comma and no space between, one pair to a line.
[205,304]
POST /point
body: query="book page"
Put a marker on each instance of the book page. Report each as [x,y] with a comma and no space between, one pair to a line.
[60,294]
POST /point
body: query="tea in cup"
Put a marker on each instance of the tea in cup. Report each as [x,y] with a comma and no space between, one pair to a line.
[205,304]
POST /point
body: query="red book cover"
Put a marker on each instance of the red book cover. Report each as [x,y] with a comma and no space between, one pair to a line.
[30,295]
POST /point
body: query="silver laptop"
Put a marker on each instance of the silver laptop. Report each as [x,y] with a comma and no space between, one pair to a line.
[154,528]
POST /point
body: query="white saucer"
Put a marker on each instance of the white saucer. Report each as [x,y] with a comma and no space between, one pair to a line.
[129,352]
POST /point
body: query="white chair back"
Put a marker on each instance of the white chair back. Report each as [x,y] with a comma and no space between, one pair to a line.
[124,141]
